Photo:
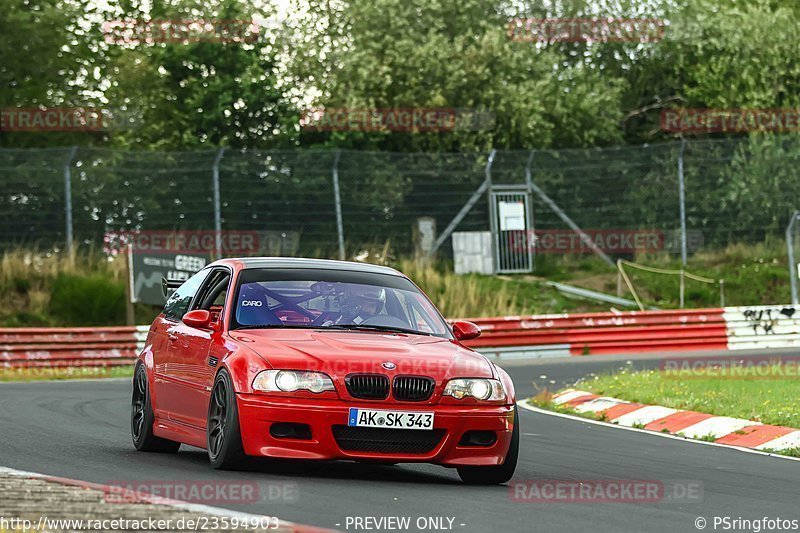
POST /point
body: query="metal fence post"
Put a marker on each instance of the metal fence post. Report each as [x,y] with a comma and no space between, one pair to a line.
[217,204]
[338,199]
[790,252]
[68,198]
[530,238]
[682,200]
[492,213]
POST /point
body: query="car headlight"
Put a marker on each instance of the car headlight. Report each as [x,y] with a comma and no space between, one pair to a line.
[478,388]
[292,380]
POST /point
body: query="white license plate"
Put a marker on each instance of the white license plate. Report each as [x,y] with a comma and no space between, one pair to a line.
[371,418]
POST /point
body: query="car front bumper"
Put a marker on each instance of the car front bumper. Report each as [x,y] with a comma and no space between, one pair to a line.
[258,412]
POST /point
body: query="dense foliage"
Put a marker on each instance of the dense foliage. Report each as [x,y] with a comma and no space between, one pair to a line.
[387,54]
[563,98]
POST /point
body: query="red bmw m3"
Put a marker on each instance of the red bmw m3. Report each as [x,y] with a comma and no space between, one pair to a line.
[320,360]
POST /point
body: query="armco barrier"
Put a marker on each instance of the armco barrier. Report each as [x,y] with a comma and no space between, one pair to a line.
[729,328]
[54,347]
[510,337]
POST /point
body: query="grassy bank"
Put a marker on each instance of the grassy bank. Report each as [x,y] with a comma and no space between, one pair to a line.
[753,274]
[58,289]
[767,395]
[474,295]
[88,289]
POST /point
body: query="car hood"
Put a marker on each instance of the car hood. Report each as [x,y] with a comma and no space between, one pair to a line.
[339,353]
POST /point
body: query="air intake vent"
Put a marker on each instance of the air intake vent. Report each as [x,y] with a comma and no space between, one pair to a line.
[412,388]
[212,361]
[368,386]
[382,440]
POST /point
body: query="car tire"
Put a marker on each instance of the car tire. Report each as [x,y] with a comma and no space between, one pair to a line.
[142,418]
[495,475]
[223,436]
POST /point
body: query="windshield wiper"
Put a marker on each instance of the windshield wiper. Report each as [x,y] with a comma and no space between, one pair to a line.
[372,327]
[278,326]
[346,327]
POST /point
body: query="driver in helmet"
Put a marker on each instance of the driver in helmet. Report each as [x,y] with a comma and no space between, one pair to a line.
[362,303]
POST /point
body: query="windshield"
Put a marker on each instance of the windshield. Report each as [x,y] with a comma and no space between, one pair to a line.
[336,300]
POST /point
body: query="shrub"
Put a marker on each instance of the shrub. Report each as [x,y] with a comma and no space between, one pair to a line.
[91,300]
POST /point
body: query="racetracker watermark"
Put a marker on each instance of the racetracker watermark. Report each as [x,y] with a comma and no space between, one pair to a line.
[137,31]
[753,367]
[70,119]
[700,120]
[606,491]
[102,370]
[401,119]
[232,242]
[409,365]
[209,492]
[561,241]
[585,30]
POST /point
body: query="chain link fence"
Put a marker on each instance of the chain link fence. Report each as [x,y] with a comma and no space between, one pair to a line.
[734,191]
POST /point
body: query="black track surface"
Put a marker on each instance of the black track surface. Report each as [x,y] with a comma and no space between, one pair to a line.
[82,430]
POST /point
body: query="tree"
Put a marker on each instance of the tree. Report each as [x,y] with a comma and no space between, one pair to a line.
[367,54]
[51,59]
[212,92]
[718,55]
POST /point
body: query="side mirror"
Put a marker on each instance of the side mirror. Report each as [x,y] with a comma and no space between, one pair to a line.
[465,331]
[199,318]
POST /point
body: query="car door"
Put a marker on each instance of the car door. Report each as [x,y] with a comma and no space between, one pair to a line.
[166,391]
[193,369]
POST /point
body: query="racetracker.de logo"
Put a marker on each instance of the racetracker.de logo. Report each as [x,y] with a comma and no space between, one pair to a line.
[585,30]
[137,31]
[403,366]
[400,119]
[233,242]
[698,120]
[202,491]
[62,119]
[751,367]
[558,241]
[606,491]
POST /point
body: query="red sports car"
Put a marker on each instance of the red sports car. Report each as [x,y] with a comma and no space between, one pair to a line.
[314,359]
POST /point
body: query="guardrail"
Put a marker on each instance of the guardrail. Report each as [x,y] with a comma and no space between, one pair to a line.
[730,328]
[57,347]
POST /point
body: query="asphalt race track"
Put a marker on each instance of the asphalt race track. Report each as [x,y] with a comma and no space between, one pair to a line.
[80,429]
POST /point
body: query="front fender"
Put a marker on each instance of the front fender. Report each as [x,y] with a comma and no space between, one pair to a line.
[243,364]
[505,379]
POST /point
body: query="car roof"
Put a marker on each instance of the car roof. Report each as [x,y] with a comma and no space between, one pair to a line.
[301,262]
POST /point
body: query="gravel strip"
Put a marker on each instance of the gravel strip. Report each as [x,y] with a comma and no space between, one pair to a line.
[42,501]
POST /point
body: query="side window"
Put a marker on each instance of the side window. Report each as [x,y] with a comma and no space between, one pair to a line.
[178,303]
[214,291]
[221,297]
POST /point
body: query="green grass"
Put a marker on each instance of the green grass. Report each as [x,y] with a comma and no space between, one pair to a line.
[475,295]
[58,289]
[791,452]
[769,401]
[58,374]
[87,288]
[753,274]
[766,400]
